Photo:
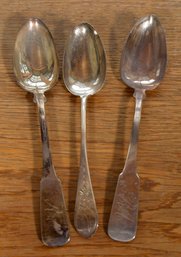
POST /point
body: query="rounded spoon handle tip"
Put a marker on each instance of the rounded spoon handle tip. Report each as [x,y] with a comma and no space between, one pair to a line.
[54,223]
[85,217]
[122,224]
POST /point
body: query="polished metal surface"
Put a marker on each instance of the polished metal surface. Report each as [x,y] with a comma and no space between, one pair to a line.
[142,67]
[36,70]
[35,60]
[84,70]
[144,57]
[84,61]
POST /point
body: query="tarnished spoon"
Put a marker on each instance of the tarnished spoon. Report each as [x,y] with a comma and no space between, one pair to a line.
[36,70]
[142,68]
[84,69]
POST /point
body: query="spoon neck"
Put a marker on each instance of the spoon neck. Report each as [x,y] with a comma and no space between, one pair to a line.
[48,169]
[139,94]
[83,125]
[132,152]
[39,99]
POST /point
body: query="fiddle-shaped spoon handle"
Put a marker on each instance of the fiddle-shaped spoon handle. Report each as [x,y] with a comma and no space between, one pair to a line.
[122,224]
[53,217]
[86,217]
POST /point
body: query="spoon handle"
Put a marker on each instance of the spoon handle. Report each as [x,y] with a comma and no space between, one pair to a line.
[86,217]
[122,224]
[53,217]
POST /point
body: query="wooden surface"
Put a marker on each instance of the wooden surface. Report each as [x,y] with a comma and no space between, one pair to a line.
[109,119]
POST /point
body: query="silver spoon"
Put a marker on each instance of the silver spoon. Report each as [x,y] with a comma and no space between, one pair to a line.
[36,70]
[84,69]
[142,68]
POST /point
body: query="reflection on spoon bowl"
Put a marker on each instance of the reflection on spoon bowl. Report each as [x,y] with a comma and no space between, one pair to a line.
[144,57]
[84,61]
[35,59]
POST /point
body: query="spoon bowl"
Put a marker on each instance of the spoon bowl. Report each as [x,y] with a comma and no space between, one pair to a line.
[35,59]
[144,57]
[84,61]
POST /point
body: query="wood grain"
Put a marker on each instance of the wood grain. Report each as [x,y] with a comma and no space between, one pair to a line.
[109,120]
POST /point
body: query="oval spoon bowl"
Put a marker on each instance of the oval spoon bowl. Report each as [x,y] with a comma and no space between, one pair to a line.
[144,58]
[84,61]
[35,60]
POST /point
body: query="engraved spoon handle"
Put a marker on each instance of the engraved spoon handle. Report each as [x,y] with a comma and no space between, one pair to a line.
[53,217]
[122,224]
[85,217]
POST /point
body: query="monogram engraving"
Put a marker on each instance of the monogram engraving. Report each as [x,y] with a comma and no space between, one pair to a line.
[85,206]
[125,205]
